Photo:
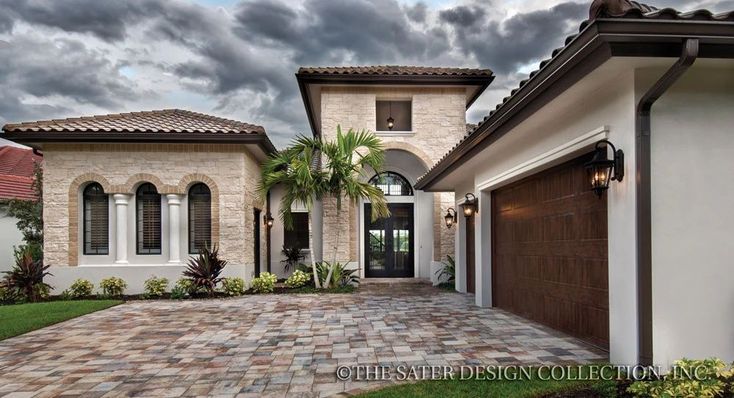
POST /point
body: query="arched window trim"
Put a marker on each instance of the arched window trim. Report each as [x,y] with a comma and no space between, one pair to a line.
[148,240]
[199,204]
[95,221]
[405,188]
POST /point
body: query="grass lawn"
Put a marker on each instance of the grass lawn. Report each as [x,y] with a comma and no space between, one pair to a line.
[22,318]
[496,388]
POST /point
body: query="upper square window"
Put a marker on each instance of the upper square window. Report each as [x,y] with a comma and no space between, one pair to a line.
[394,116]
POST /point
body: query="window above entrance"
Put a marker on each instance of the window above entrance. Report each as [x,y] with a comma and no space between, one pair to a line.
[394,116]
[392,184]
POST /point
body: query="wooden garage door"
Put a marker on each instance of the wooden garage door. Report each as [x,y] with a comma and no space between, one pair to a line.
[550,252]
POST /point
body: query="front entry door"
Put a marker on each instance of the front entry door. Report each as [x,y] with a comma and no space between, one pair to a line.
[389,242]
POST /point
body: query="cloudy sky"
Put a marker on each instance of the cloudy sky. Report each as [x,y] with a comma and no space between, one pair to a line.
[237,59]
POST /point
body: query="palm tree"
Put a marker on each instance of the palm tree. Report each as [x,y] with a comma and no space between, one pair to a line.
[296,170]
[345,162]
[347,159]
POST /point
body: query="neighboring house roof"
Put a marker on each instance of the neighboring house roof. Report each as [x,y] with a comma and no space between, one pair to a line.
[168,125]
[614,28]
[310,79]
[393,70]
[16,172]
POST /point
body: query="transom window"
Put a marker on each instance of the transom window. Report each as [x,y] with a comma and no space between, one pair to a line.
[148,219]
[96,220]
[392,184]
[200,218]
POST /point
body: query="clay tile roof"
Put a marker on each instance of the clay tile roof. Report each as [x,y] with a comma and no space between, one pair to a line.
[599,9]
[17,161]
[160,121]
[395,70]
[16,172]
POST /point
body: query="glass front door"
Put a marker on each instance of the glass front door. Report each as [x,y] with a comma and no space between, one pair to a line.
[389,242]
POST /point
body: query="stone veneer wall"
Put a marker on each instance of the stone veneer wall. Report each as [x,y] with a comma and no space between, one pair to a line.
[230,171]
[438,123]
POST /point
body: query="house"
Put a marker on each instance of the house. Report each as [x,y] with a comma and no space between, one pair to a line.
[16,182]
[417,112]
[134,194]
[641,98]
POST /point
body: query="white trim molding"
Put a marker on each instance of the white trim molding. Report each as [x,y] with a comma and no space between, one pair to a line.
[554,156]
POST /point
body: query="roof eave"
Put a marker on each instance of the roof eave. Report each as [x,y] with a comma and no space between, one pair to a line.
[599,41]
[33,138]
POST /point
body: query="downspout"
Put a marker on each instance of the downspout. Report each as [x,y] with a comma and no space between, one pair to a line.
[643,205]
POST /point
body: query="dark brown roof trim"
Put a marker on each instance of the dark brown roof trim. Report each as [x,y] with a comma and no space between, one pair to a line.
[36,137]
[597,41]
[393,70]
[306,77]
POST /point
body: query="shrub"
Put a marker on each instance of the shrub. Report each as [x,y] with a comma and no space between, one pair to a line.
[708,379]
[297,279]
[233,286]
[80,288]
[183,288]
[265,283]
[340,276]
[204,270]
[447,273]
[293,257]
[112,286]
[26,277]
[155,287]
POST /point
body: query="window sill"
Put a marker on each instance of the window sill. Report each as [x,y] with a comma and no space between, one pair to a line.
[394,133]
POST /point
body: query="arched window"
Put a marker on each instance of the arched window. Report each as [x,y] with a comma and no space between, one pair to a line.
[96,220]
[200,218]
[148,219]
[392,184]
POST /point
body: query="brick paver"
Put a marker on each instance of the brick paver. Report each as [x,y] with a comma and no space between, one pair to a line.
[270,345]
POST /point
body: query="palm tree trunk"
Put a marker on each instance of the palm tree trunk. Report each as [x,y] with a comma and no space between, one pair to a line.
[336,244]
[316,281]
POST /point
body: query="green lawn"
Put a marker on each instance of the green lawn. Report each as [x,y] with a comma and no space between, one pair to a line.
[490,389]
[22,318]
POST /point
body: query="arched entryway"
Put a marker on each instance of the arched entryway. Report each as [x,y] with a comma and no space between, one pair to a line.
[390,242]
[400,246]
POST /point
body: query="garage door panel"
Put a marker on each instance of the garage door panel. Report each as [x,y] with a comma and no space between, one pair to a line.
[550,252]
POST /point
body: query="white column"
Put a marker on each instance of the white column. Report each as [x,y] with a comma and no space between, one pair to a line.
[121,201]
[174,225]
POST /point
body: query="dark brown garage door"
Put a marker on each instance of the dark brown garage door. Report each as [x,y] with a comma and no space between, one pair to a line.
[550,252]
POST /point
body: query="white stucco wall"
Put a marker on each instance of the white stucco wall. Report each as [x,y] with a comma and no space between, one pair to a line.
[693,214]
[10,236]
[600,105]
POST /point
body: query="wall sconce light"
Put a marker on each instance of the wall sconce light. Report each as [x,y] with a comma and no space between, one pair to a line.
[450,217]
[268,220]
[470,205]
[602,170]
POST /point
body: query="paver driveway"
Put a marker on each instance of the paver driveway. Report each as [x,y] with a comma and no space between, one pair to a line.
[270,344]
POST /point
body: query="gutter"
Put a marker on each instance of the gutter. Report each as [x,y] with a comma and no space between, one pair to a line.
[644,197]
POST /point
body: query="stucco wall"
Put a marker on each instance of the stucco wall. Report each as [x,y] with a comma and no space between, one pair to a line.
[10,236]
[230,170]
[601,104]
[438,122]
[692,213]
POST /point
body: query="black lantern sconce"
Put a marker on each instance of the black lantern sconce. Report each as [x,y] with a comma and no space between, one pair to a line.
[602,170]
[268,220]
[470,205]
[450,217]
[390,120]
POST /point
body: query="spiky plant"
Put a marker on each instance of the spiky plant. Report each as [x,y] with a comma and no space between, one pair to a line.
[205,269]
[27,275]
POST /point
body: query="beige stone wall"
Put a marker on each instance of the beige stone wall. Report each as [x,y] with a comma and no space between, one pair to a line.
[230,171]
[438,123]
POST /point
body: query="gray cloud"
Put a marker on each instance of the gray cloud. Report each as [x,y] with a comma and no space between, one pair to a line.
[525,37]
[418,12]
